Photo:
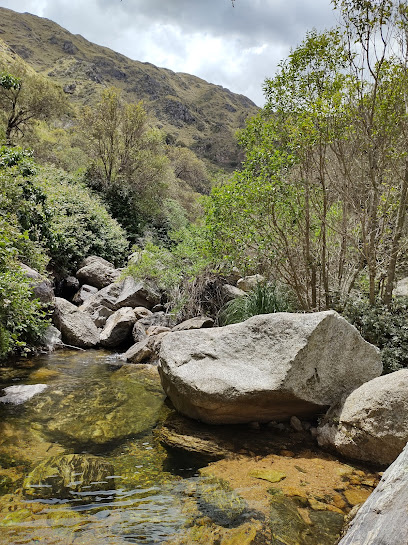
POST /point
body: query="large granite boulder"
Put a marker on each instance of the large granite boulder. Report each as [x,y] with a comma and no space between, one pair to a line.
[125,293]
[77,327]
[41,286]
[97,273]
[118,327]
[271,367]
[249,283]
[194,323]
[382,520]
[372,423]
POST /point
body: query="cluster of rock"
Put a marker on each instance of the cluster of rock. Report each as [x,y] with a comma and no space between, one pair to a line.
[109,311]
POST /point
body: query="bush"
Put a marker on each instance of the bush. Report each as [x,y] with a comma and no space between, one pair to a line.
[263,299]
[383,326]
[79,224]
[23,319]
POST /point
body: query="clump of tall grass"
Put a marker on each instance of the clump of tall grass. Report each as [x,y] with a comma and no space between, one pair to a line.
[263,299]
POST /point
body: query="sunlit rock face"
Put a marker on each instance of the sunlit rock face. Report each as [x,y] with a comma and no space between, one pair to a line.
[270,367]
[372,422]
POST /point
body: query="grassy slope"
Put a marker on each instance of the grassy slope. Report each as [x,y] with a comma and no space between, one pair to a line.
[190,110]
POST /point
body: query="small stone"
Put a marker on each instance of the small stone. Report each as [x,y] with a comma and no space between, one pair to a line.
[254,425]
[317,505]
[296,423]
[354,496]
[287,453]
[338,501]
[271,475]
[313,432]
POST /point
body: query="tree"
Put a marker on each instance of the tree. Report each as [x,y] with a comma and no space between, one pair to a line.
[129,166]
[323,195]
[25,97]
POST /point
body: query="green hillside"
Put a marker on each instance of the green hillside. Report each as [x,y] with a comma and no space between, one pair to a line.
[191,111]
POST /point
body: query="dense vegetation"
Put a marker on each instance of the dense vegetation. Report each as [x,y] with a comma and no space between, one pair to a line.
[319,206]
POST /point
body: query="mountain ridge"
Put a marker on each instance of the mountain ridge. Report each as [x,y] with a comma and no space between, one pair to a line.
[192,112]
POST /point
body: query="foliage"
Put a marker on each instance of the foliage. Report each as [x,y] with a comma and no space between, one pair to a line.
[130,167]
[182,271]
[265,298]
[23,319]
[25,97]
[189,168]
[79,224]
[322,195]
[382,325]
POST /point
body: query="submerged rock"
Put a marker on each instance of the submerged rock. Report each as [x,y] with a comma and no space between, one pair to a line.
[270,367]
[73,477]
[127,402]
[372,423]
[217,500]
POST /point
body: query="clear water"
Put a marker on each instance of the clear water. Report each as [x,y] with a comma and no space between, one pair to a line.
[79,461]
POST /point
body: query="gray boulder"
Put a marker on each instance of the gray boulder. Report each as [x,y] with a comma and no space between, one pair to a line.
[41,286]
[194,323]
[271,367]
[125,293]
[118,327]
[248,283]
[231,292]
[92,258]
[84,292]
[139,332]
[97,274]
[383,517]
[52,339]
[372,423]
[401,289]
[77,327]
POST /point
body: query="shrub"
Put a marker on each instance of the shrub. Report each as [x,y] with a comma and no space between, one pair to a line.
[23,319]
[383,326]
[263,299]
[79,223]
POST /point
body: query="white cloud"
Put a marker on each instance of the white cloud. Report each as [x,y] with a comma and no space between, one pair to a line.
[235,47]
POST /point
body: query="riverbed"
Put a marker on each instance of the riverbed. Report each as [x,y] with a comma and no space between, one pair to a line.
[82,462]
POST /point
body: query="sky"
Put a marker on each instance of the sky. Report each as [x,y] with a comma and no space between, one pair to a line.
[233,46]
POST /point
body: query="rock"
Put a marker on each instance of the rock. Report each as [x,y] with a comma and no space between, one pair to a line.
[186,435]
[52,339]
[271,367]
[100,315]
[126,403]
[84,292]
[217,500]
[69,477]
[142,312]
[296,423]
[158,308]
[231,292]
[118,327]
[125,293]
[139,332]
[41,286]
[270,475]
[372,422]
[68,287]
[401,289]
[92,258]
[141,351]
[194,323]
[157,329]
[97,274]
[249,283]
[77,327]
[158,318]
[383,517]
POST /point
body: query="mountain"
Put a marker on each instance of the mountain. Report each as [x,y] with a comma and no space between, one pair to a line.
[191,111]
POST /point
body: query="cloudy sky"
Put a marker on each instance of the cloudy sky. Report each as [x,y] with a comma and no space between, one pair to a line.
[237,47]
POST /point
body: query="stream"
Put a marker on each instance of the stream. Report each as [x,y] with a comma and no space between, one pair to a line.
[81,463]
